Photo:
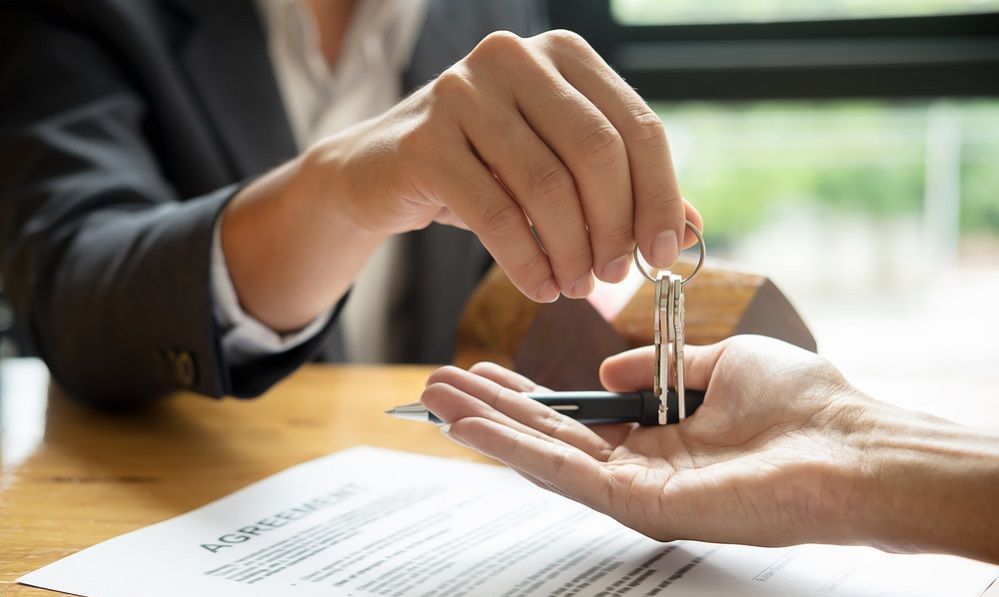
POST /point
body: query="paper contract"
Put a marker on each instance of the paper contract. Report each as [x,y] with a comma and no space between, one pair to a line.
[375,522]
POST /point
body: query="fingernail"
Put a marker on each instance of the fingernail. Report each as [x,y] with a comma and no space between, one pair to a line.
[548,292]
[665,249]
[446,429]
[581,287]
[617,269]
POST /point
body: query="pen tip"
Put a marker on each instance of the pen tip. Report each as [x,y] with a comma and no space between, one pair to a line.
[414,411]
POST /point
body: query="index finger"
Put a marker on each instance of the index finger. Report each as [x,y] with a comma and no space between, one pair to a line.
[660,210]
[511,403]
[569,470]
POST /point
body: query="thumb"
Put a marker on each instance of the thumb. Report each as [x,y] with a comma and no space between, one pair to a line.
[633,369]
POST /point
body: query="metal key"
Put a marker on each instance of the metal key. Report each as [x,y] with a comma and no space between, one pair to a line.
[661,376]
[676,342]
[668,334]
[667,349]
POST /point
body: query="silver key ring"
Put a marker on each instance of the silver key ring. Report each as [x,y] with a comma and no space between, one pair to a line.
[648,271]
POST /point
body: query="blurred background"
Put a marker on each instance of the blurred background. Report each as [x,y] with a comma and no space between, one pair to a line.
[847,149]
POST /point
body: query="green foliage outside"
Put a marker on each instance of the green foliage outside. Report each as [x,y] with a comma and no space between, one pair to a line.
[738,162]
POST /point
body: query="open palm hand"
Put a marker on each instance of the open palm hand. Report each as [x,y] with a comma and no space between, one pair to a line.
[766,460]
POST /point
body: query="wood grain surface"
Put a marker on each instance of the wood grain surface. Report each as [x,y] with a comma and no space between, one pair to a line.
[91,475]
[72,477]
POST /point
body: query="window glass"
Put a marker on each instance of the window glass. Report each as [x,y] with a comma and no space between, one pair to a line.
[880,220]
[648,12]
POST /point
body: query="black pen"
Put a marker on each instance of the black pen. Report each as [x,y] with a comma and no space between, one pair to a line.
[589,407]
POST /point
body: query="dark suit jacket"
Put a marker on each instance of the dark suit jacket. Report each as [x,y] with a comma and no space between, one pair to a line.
[125,127]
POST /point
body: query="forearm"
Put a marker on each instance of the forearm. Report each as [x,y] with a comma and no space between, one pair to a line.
[291,247]
[929,484]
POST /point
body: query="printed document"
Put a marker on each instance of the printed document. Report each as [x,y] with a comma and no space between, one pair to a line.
[368,521]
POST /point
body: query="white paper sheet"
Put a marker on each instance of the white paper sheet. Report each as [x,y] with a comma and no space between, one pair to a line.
[376,522]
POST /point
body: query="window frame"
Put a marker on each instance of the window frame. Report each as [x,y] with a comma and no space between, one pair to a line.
[952,55]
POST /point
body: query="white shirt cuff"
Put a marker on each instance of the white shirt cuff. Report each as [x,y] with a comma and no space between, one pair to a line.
[244,338]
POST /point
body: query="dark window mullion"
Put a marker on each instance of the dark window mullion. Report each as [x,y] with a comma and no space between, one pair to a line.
[879,57]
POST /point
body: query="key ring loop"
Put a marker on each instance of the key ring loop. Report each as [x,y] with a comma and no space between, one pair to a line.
[648,271]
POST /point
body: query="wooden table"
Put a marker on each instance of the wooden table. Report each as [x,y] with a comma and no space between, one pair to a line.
[87,476]
[72,477]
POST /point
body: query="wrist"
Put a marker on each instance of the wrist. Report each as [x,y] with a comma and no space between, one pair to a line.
[291,245]
[353,184]
[325,177]
[924,483]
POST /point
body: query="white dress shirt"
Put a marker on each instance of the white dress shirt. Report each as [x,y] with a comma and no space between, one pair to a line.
[320,101]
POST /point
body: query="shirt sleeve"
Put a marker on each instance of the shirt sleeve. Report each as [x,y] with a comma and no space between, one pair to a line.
[244,338]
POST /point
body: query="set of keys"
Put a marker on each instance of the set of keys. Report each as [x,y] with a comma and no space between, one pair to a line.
[668,337]
[668,402]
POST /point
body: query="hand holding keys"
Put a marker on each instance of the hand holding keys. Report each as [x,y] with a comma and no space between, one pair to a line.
[668,334]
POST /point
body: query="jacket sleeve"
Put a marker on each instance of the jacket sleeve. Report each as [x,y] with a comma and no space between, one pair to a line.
[107,269]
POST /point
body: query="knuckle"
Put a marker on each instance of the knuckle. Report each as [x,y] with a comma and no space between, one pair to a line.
[608,487]
[553,424]
[502,219]
[646,128]
[534,268]
[617,233]
[602,146]
[580,260]
[435,378]
[553,183]
[516,446]
[566,38]
[501,39]
[559,459]
[435,386]
[662,201]
[497,45]
[442,375]
[453,85]
[435,390]
[501,395]
[483,367]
